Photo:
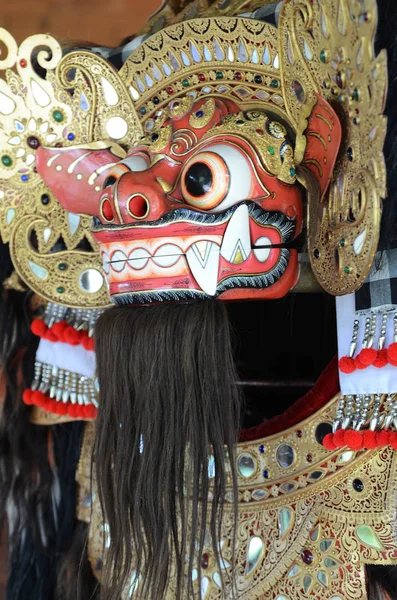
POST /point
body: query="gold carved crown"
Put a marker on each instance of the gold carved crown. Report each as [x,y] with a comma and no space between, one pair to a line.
[318,48]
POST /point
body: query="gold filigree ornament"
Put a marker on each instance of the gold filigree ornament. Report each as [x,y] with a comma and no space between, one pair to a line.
[53,251]
[319,47]
[308,520]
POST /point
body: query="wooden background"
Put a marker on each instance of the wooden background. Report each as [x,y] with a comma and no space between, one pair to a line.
[103,22]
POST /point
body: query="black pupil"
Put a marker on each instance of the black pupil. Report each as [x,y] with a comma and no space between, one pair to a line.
[198,179]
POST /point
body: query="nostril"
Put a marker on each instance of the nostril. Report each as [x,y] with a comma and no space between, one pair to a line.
[107,210]
[138,206]
[109,181]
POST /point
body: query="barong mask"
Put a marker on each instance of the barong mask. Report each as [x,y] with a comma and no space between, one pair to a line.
[223,132]
[234,110]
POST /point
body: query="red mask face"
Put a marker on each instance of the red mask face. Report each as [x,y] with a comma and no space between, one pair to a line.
[207,206]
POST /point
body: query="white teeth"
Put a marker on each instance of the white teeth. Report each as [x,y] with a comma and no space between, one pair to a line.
[203,259]
[105,262]
[118,260]
[262,254]
[236,244]
[167,255]
[138,258]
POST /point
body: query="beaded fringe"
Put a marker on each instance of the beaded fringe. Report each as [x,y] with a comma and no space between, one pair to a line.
[364,421]
[373,352]
[62,392]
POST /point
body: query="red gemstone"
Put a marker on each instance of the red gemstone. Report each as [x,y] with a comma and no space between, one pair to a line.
[58,145]
[299,433]
[201,76]
[238,76]
[169,90]
[23,63]
[307,557]
[309,458]
[260,131]
[33,142]
[339,80]
[204,562]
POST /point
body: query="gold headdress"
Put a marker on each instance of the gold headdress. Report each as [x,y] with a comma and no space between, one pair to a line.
[318,48]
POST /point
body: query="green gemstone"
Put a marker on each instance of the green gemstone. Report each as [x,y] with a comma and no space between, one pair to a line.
[342,242]
[186,83]
[307,582]
[325,545]
[271,150]
[274,83]
[62,266]
[6,160]
[240,122]
[347,270]
[356,95]
[219,75]
[322,577]
[142,110]
[323,56]
[367,535]
[58,116]
[284,521]
[60,290]
[292,172]
[330,563]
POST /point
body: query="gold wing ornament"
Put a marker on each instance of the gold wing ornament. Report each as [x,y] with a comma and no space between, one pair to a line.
[327,47]
[52,250]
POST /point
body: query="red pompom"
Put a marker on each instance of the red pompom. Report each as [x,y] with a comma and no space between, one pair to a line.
[63,408]
[73,410]
[71,336]
[339,438]
[393,440]
[346,365]
[383,438]
[370,440]
[27,396]
[367,356]
[91,412]
[359,364]
[381,360]
[38,327]
[91,344]
[37,398]
[328,442]
[52,405]
[85,342]
[392,354]
[59,329]
[353,439]
[51,337]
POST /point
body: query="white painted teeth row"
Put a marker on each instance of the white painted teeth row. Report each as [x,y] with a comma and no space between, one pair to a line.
[236,248]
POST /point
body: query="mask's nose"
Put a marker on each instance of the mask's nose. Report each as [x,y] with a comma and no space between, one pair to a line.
[130,197]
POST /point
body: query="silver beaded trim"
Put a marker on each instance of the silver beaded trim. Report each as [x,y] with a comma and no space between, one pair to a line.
[369,411]
[78,318]
[64,386]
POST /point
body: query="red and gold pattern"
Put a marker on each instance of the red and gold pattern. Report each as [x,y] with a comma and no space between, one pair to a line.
[309,520]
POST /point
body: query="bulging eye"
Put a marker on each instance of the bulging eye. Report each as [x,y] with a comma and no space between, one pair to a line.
[217,178]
